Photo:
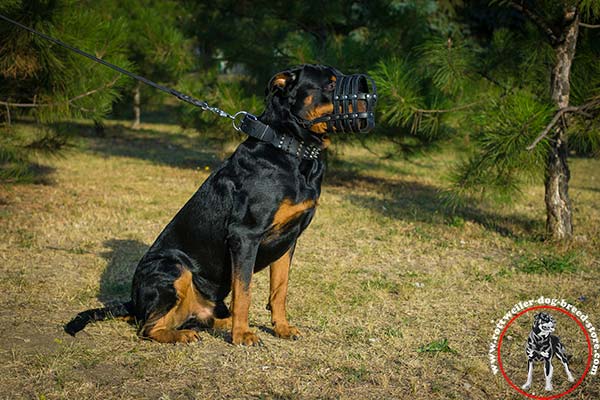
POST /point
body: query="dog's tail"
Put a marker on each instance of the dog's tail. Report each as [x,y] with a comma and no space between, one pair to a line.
[99,314]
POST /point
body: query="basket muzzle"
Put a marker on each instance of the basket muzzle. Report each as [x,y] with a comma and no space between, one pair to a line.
[354,100]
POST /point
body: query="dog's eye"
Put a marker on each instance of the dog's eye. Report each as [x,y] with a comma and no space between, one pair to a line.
[330,87]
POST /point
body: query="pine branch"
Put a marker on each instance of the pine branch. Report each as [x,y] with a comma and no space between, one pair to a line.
[68,101]
[536,19]
[589,25]
[560,114]
[447,110]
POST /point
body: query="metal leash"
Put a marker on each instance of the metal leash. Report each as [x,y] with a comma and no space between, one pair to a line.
[181,96]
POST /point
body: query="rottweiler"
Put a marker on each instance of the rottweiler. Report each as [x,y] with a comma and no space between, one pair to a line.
[245,217]
[543,346]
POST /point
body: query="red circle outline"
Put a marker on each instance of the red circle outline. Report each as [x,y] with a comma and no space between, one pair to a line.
[587,368]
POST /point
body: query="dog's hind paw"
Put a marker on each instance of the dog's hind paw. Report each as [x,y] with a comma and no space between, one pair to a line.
[549,387]
[526,386]
[187,336]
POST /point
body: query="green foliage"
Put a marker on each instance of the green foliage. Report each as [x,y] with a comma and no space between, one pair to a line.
[548,264]
[231,95]
[154,40]
[399,89]
[590,9]
[53,83]
[448,62]
[155,44]
[500,162]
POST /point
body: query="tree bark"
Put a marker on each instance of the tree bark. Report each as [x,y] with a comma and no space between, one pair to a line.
[559,222]
[137,111]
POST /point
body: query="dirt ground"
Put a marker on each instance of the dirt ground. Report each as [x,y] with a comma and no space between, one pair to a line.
[396,296]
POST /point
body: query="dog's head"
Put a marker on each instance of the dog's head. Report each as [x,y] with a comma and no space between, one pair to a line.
[543,324]
[320,100]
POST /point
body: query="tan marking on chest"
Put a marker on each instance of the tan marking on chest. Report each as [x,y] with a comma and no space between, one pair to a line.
[288,210]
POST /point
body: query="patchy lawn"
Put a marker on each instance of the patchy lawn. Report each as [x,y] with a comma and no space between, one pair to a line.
[396,297]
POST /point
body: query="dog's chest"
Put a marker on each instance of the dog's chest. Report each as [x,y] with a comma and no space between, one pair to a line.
[540,344]
[287,225]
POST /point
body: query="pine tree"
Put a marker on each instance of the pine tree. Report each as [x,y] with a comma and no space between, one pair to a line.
[43,81]
[155,42]
[508,80]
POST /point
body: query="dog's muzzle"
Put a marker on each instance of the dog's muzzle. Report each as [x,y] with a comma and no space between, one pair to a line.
[354,100]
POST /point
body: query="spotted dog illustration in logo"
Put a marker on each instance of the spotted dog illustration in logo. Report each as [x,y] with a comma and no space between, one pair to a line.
[543,346]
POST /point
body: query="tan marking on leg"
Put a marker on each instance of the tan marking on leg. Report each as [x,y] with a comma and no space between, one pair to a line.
[240,306]
[287,211]
[222,324]
[189,304]
[279,276]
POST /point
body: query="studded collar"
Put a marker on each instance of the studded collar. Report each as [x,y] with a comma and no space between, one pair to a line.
[251,126]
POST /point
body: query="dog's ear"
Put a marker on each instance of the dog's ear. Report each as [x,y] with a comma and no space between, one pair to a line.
[281,81]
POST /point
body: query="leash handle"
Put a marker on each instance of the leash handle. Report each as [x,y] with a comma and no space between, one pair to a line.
[181,96]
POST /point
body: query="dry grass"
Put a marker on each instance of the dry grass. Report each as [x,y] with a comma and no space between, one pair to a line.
[382,272]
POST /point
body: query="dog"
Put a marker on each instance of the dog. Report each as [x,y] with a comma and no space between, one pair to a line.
[246,216]
[543,346]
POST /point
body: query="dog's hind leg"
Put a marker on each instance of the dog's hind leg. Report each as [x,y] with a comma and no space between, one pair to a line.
[163,327]
[527,384]
[548,370]
[562,356]
[569,374]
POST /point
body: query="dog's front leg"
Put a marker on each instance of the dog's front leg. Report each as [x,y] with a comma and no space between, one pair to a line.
[243,256]
[527,384]
[548,370]
[279,275]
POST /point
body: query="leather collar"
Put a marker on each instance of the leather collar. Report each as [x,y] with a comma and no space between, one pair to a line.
[251,126]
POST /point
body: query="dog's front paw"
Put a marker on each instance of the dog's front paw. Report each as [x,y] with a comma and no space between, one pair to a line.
[246,338]
[286,331]
[548,387]
[570,378]
[526,386]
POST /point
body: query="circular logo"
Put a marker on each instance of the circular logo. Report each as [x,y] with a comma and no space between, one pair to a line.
[544,348]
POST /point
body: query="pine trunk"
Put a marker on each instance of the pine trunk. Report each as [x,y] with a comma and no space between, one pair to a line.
[559,222]
[137,111]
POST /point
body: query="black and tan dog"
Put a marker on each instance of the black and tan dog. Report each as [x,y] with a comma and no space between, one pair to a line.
[543,346]
[246,216]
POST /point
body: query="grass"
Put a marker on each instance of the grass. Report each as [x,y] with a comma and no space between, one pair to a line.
[548,264]
[383,272]
[436,346]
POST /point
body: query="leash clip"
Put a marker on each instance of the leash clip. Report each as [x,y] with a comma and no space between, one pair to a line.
[244,114]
